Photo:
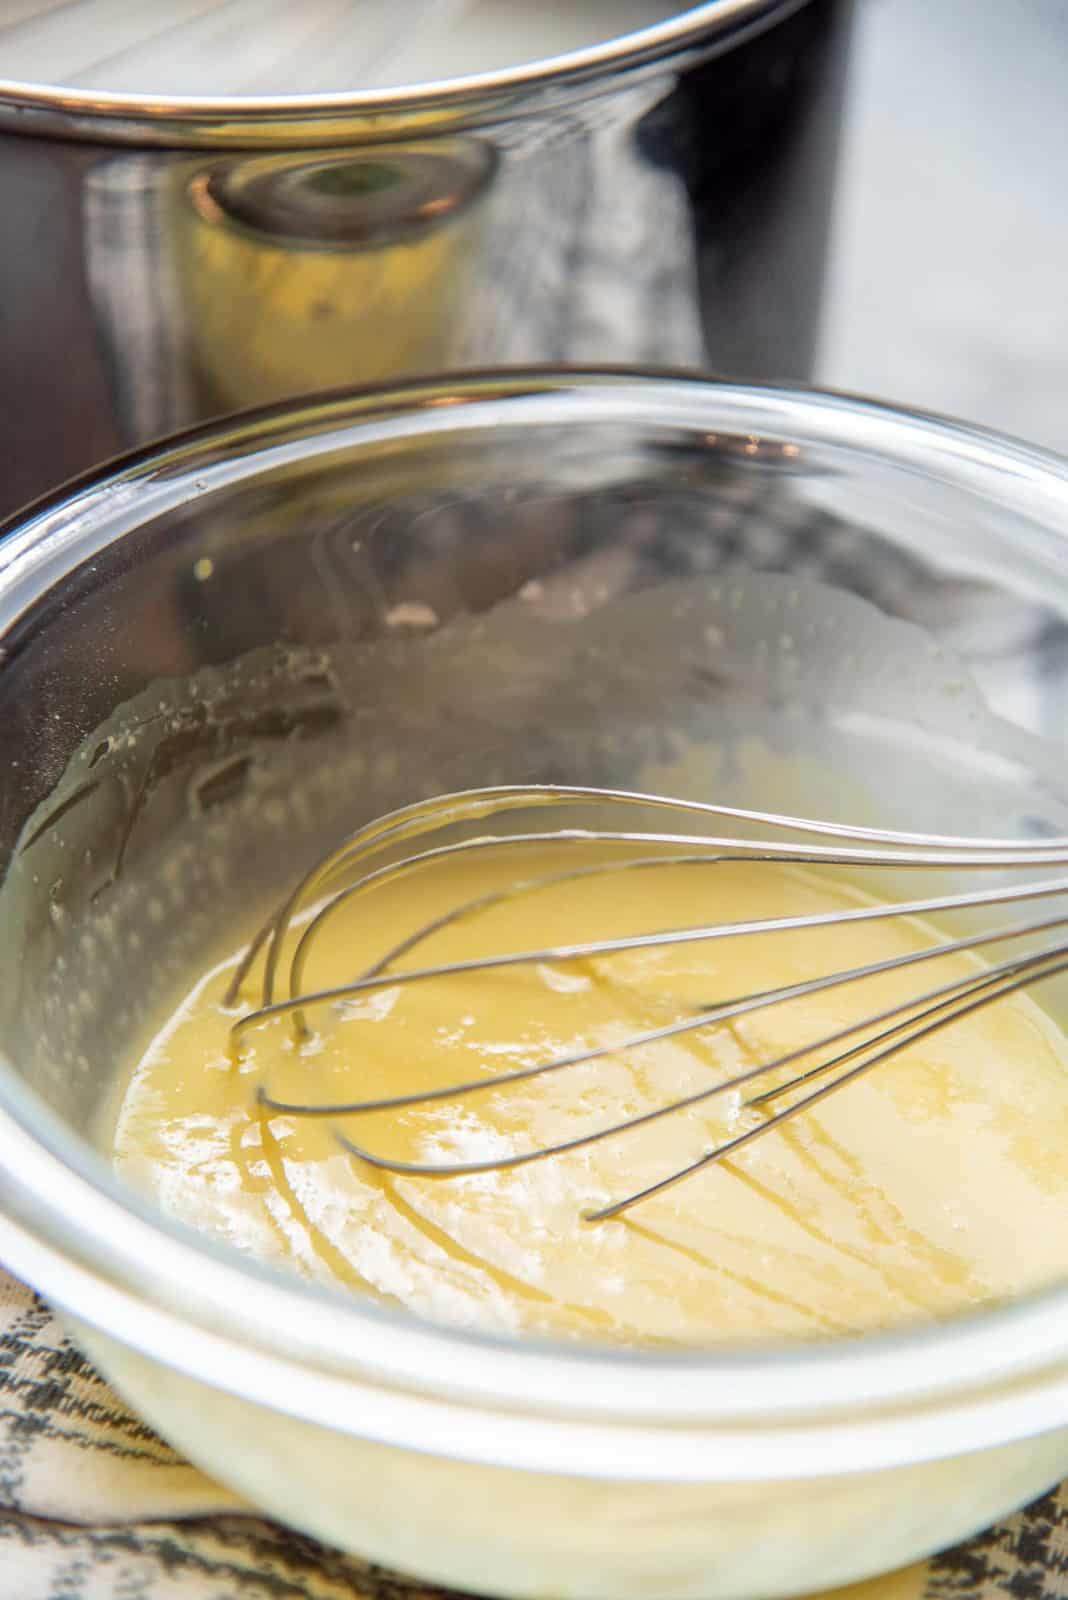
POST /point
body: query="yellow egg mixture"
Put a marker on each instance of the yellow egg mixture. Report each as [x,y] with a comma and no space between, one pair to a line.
[938,1181]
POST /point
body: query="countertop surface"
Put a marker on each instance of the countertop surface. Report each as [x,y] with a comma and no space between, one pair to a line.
[948,285]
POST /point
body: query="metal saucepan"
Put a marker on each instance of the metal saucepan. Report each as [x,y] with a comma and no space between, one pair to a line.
[173,253]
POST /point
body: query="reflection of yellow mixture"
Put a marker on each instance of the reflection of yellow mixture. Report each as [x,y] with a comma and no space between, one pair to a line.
[938,1181]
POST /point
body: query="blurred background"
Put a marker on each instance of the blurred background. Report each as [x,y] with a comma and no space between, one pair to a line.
[948,283]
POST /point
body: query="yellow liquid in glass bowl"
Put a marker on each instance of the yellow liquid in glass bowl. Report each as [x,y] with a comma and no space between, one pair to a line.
[937,1182]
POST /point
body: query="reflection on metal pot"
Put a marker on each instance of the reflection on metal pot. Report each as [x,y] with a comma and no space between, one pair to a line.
[668,205]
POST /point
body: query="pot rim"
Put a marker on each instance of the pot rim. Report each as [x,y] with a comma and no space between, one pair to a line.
[373,114]
[112,1261]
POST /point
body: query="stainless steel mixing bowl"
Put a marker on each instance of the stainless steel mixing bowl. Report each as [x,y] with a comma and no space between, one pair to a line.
[218,651]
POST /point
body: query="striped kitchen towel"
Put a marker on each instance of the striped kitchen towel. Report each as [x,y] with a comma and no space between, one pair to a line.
[94,1506]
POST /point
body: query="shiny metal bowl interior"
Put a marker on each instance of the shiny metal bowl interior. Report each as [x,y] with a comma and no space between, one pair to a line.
[220,651]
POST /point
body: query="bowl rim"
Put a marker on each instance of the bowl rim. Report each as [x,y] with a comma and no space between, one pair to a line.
[111,1261]
[336,117]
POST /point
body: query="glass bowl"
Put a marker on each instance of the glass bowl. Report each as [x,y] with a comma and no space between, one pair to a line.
[527,576]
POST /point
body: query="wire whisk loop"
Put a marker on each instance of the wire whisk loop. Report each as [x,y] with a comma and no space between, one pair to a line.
[412,840]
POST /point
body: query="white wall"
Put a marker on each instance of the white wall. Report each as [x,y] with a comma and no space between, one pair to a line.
[949,280]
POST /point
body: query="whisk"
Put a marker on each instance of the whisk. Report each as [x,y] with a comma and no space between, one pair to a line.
[416,837]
